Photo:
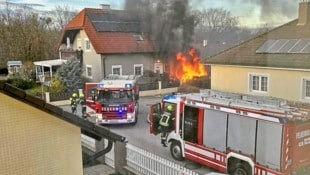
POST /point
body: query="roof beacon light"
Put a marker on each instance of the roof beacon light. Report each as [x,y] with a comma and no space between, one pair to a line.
[168,97]
[128,85]
[100,85]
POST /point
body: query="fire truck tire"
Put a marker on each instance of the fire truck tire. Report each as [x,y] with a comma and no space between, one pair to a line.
[241,168]
[176,150]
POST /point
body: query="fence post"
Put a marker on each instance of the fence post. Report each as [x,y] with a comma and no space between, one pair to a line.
[47,97]
[120,157]
[159,85]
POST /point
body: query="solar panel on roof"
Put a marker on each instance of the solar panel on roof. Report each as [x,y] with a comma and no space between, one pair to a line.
[114,22]
[285,46]
[288,46]
[306,49]
[278,44]
[298,46]
[266,46]
[109,26]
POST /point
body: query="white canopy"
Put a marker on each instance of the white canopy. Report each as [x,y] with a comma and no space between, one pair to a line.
[47,63]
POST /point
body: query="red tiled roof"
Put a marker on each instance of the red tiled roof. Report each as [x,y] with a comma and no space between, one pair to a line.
[108,41]
[78,20]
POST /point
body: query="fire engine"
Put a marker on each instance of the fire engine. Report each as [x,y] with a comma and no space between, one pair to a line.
[237,133]
[114,100]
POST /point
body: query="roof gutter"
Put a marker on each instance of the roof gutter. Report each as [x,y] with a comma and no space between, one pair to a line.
[258,67]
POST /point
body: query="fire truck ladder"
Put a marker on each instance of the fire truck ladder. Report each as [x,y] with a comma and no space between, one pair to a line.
[268,105]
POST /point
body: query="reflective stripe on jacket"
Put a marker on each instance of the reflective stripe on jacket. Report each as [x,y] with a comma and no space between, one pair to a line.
[164,120]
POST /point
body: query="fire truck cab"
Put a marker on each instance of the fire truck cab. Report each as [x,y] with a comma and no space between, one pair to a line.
[114,100]
[237,133]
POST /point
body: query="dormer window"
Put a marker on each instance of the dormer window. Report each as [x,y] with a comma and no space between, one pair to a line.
[138,37]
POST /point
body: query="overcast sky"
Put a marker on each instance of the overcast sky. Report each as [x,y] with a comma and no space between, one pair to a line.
[249,12]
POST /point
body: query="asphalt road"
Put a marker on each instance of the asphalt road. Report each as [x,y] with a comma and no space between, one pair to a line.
[139,135]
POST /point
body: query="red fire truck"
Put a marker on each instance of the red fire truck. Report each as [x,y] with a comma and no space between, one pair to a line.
[114,100]
[236,133]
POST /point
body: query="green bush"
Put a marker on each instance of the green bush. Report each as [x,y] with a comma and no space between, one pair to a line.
[21,81]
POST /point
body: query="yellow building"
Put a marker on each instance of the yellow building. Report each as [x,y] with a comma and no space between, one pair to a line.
[38,138]
[34,141]
[276,63]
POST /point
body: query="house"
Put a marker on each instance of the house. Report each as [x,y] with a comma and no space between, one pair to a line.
[39,138]
[276,63]
[108,42]
[14,67]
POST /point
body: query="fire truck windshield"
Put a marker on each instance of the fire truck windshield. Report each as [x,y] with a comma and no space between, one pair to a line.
[115,96]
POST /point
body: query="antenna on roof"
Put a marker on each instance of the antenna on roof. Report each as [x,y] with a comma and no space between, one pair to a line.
[105,6]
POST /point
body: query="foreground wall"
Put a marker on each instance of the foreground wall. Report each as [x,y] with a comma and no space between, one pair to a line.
[35,142]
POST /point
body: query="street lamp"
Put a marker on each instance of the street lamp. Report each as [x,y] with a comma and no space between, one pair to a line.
[42,79]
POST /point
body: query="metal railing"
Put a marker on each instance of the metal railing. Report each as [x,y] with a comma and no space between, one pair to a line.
[151,164]
[141,160]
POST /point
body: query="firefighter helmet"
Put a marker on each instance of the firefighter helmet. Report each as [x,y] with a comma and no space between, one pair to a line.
[81,95]
[170,107]
[74,95]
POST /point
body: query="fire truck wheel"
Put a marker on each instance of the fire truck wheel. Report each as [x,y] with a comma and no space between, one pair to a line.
[241,169]
[176,150]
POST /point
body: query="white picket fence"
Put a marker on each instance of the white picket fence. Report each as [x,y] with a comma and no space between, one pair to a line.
[141,160]
[151,164]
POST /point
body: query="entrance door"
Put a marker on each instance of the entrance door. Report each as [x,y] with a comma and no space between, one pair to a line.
[154,115]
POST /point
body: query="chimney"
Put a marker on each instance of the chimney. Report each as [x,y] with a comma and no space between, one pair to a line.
[304,13]
[105,6]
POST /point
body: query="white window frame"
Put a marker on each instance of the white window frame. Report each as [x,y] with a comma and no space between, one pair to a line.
[259,90]
[304,80]
[91,71]
[87,45]
[138,65]
[117,67]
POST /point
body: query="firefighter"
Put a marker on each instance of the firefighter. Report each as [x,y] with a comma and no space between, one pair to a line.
[165,123]
[73,102]
[82,102]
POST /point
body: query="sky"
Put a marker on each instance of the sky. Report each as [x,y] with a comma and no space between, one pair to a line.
[252,13]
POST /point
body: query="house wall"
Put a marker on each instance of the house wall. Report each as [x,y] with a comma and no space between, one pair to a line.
[127,61]
[90,58]
[101,65]
[36,142]
[283,83]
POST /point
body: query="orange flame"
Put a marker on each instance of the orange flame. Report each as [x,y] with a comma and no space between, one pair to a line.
[187,66]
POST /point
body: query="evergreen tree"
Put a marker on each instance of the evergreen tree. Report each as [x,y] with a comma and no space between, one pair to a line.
[70,74]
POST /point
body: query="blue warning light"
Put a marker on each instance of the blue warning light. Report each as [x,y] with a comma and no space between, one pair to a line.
[169,97]
[128,86]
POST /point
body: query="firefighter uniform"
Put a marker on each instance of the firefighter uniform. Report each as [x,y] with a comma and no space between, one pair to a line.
[165,123]
[73,102]
[82,102]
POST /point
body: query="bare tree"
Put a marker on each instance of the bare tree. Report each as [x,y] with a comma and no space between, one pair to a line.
[63,15]
[217,19]
[25,36]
